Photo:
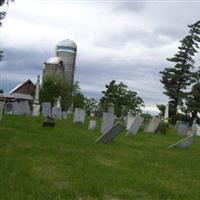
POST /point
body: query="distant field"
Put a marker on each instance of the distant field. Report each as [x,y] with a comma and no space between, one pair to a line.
[65,163]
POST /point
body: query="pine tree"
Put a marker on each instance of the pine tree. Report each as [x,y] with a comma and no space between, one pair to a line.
[176,79]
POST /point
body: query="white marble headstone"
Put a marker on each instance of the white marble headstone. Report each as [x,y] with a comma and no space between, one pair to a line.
[36,110]
[153,125]
[135,125]
[130,118]
[46,109]
[197,130]
[92,125]
[79,115]
[107,121]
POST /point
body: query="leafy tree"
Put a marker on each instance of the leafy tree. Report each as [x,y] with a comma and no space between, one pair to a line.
[121,97]
[77,96]
[161,108]
[91,105]
[176,79]
[52,88]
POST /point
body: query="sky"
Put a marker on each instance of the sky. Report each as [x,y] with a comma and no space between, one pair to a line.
[126,41]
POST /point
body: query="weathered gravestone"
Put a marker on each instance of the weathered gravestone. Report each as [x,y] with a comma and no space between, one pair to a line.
[136,123]
[153,125]
[130,118]
[181,128]
[48,122]
[197,130]
[92,125]
[1,110]
[111,133]
[21,108]
[36,110]
[107,121]
[186,142]
[57,112]
[46,109]
[64,114]
[79,116]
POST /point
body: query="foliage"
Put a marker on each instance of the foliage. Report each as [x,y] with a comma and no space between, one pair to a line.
[162,128]
[52,88]
[91,105]
[176,79]
[121,97]
[161,108]
[77,96]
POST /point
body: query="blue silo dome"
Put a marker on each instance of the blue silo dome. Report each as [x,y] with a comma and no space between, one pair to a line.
[67,45]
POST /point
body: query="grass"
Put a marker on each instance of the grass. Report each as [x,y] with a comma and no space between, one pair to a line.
[65,163]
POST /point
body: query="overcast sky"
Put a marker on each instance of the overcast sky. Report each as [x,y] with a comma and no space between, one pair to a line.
[125,41]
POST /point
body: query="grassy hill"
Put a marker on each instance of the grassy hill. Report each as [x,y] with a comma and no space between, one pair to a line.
[65,163]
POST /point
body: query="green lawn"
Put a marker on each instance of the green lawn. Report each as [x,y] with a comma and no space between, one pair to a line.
[65,163]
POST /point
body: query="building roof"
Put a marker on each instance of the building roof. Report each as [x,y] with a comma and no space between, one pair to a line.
[54,60]
[66,45]
[19,96]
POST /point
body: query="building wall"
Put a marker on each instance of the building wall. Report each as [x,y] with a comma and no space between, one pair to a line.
[53,69]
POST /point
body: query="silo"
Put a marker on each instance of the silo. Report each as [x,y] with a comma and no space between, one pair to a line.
[66,50]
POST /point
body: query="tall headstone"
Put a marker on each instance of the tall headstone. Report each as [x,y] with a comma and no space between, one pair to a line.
[1,110]
[153,125]
[130,118]
[79,116]
[135,125]
[166,114]
[111,133]
[92,125]
[36,105]
[58,104]
[107,121]
[46,109]
[56,112]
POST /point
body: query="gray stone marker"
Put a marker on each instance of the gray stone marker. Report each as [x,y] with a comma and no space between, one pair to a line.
[79,116]
[56,112]
[46,109]
[1,110]
[182,128]
[136,123]
[92,125]
[111,133]
[130,118]
[21,108]
[186,142]
[107,121]
[153,125]
[197,130]
[64,114]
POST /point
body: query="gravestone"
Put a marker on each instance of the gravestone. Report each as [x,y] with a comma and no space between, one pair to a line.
[21,108]
[56,112]
[36,110]
[186,142]
[197,130]
[153,125]
[130,118]
[36,105]
[1,110]
[48,122]
[107,121]
[166,114]
[92,125]
[136,123]
[79,116]
[182,129]
[64,115]
[111,133]
[46,109]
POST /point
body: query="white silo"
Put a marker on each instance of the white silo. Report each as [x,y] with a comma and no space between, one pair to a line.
[66,50]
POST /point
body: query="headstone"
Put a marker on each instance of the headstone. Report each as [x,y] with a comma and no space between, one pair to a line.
[79,116]
[153,125]
[130,118]
[197,130]
[92,125]
[49,122]
[26,108]
[64,115]
[46,109]
[107,121]
[111,133]
[56,112]
[186,142]
[58,104]
[21,108]
[36,110]
[166,114]
[1,110]
[136,123]
[182,129]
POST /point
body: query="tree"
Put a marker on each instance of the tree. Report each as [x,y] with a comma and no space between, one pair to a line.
[91,105]
[52,88]
[121,97]
[161,108]
[176,79]
[77,96]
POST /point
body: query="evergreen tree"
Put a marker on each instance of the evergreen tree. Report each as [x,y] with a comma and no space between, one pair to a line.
[176,79]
